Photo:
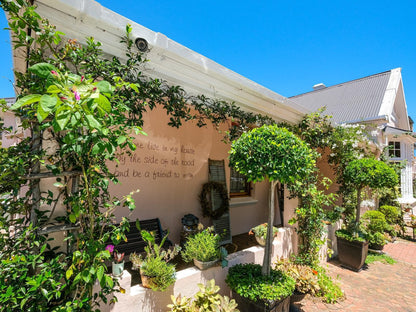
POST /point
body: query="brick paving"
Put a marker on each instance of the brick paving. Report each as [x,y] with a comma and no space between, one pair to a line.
[377,288]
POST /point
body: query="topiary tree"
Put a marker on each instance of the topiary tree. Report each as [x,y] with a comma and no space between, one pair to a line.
[275,154]
[368,172]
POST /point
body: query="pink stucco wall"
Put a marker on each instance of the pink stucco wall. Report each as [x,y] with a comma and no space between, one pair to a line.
[169,168]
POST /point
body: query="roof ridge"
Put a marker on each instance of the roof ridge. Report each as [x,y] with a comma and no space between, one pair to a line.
[343,83]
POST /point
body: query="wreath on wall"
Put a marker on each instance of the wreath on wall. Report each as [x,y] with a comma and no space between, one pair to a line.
[206,203]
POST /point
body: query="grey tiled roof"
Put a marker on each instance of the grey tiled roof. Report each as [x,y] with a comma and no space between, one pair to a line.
[353,100]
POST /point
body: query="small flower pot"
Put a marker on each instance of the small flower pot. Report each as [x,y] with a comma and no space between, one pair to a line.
[118,269]
[147,281]
[203,265]
[261,241]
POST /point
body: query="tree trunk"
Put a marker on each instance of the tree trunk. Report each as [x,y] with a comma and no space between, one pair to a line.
[358,208]
[267,259]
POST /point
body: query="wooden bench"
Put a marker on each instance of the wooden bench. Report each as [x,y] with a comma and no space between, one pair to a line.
[135,242]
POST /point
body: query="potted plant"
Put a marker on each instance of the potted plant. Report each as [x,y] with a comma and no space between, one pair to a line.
[306,278]
[375,225]
[155,271]
[118,263]
[207,299]
[254,291]
[260,233]
[392,215]
[358,174]
[276,154]
[203,248]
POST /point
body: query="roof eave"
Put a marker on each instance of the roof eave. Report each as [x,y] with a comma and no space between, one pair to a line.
[168,59]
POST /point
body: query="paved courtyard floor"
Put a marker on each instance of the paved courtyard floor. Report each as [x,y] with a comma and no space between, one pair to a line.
[378,288]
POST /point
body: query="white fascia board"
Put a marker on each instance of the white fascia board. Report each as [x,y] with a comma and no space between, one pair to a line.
[169,60]
[387,104]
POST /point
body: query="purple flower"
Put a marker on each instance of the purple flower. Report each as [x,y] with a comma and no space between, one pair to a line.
[77,96]
[110,248]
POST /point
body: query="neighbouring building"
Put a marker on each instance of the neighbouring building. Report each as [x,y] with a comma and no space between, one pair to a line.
[377,101]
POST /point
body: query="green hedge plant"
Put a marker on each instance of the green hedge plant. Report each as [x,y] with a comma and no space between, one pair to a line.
[248,281]
[203,246]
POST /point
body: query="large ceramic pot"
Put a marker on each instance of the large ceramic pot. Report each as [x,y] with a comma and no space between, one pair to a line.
[352,255]
[297,297]
[118,269]
[246,305]
[203,265]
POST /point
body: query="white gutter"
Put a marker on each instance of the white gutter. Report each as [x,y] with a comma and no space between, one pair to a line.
[369,119]
[169,60]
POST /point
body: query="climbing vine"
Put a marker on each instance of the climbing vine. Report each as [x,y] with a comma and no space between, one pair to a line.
[82,111]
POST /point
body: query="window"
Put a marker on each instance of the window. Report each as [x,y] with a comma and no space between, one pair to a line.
[394,150]
[239,186]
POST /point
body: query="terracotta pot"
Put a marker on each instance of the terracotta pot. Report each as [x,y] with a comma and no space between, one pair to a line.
[147,281]
[118,269]
[352,255]
[203,265]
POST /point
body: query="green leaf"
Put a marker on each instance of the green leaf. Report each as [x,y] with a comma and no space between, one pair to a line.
[109,281]
[100,275]
[42,70]
[53,89]
[72,218]
[46,105]
[58,184]
[104,86]
[103,103]
[69,273]
[44,292]
[62,118]
[121,140]
[92,122]
[26,100]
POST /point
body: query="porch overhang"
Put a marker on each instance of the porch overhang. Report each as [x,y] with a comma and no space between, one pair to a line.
[169,60]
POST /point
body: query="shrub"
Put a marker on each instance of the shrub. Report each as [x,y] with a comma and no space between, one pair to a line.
[391,213]
[203,246]
[305,277]
[207,300]
[247,281]
[374,221]
[330,291]
[374,224]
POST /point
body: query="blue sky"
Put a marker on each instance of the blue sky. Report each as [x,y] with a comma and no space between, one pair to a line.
[287,46]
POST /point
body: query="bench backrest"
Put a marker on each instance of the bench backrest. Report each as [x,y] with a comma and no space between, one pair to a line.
[135,242]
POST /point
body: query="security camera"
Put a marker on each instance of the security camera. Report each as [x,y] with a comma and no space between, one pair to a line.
[142,44]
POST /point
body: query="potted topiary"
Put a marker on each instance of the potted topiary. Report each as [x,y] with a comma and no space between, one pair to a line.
[358,174]
[203,248]
[275,154]
[155,271]
[260,233]
[256,292]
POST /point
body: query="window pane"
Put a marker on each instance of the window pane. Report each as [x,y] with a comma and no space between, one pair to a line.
[239,184]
